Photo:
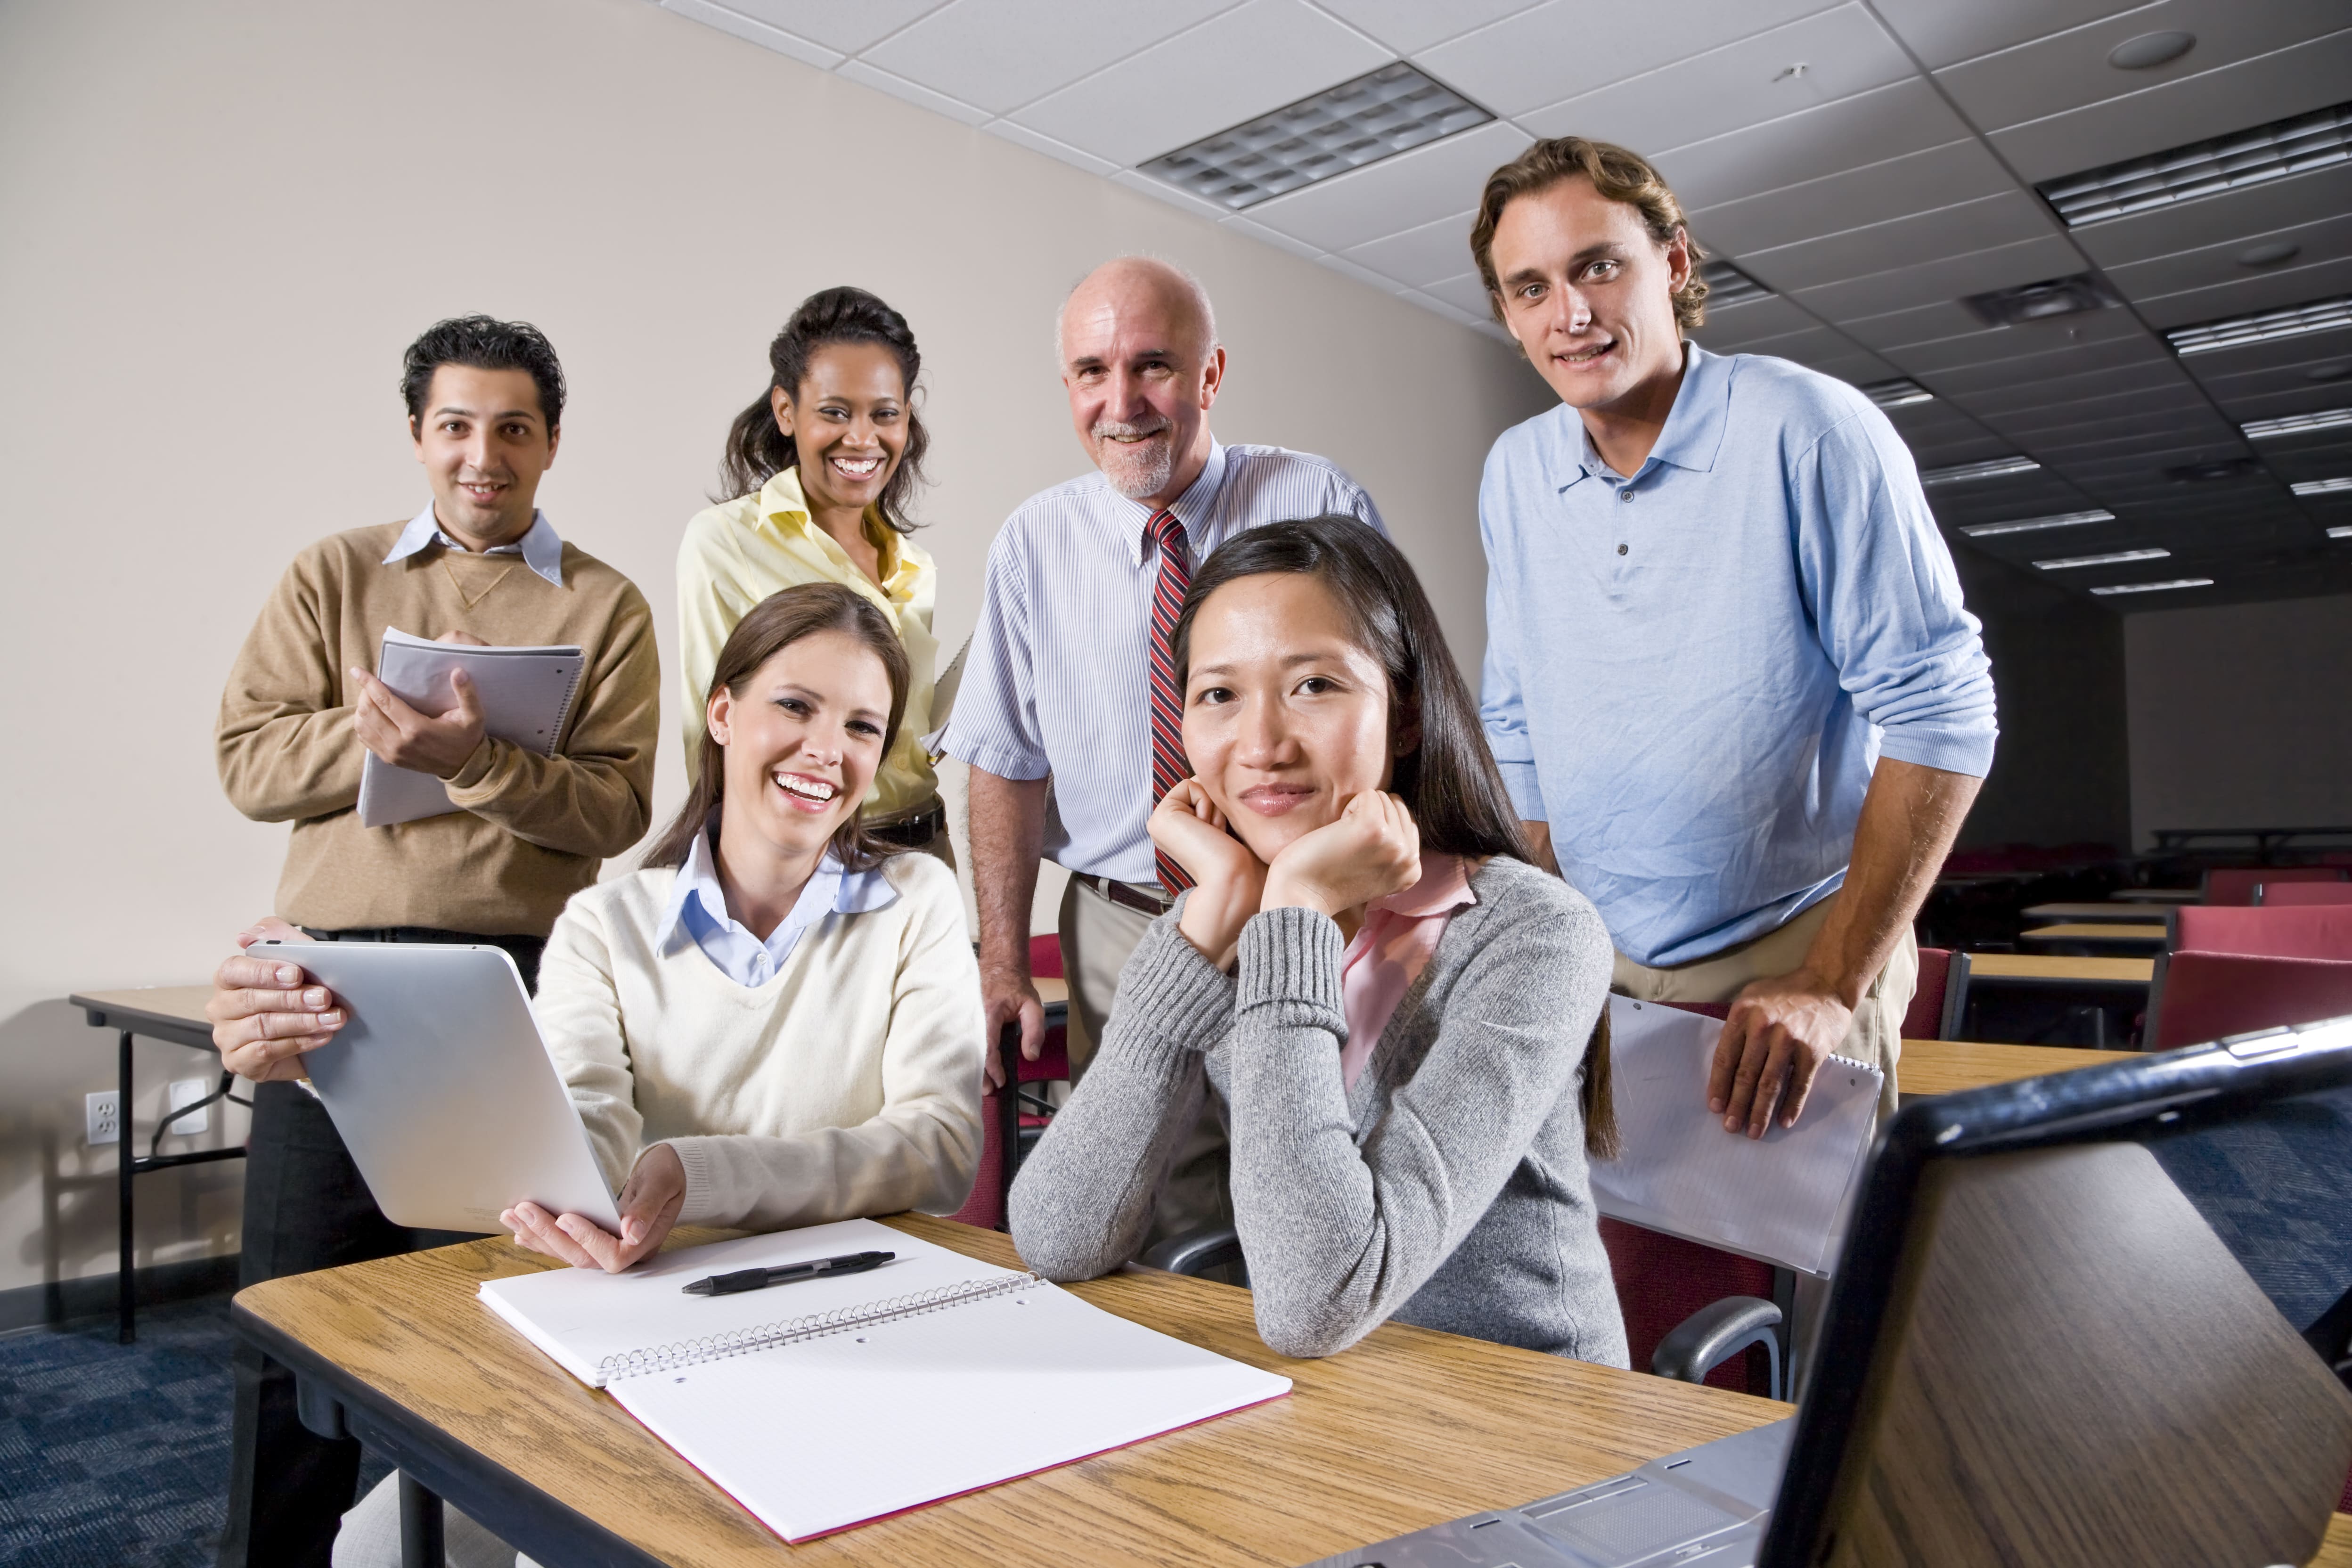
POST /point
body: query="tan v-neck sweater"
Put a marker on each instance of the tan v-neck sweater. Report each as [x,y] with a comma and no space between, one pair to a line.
[529,830]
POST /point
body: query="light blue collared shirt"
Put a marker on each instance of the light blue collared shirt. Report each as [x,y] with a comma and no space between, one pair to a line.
[697,911]
[539,547]
[1690,674]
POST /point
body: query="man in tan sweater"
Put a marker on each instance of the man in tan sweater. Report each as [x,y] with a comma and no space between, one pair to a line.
[479,564]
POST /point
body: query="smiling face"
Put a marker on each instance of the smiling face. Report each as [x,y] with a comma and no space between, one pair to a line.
[803,735]
[1285,716]
[484,444]
[1141,369]
[847,422]
[1588,293]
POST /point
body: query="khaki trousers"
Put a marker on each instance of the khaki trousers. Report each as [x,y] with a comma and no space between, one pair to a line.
[1875,1038]
[1096,938]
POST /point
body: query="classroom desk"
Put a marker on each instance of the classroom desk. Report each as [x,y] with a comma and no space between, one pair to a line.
[1052,989]
[2092,939]
[2135,913]
[2156,895]
[1948,1066]
[2040,969]
[173,1013]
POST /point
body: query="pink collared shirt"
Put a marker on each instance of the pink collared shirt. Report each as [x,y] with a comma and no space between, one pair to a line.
[1392,949]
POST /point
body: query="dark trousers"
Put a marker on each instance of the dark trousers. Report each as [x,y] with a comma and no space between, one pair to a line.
[306,1207]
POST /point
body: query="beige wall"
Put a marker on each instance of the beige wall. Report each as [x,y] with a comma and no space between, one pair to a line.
[2241,715]
[225,218]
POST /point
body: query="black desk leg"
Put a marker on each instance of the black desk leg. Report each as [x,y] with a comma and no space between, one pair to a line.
[125,1168]
[420,1525]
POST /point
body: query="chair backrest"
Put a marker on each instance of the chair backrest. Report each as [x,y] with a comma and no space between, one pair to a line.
[1000,1130]
[2320,931]
[2301,895]
[2201,997]
[1663,1280]
[1925,1021]
[1045,956]
[2236,884]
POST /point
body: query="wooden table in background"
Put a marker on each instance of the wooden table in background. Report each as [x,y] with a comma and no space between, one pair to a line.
[1948,1067]
[2034,966]
[2106,934]
[2147,914]
[2156,896]
[1051,989]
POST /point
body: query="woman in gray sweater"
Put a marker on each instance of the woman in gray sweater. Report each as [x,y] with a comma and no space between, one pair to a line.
[1396,1012]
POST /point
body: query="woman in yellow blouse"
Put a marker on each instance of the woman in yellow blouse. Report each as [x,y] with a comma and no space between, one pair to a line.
[820,468]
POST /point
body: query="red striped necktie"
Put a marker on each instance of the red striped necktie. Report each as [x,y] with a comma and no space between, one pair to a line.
[1168,764]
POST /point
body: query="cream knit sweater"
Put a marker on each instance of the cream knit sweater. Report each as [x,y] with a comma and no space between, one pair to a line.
[847,1085]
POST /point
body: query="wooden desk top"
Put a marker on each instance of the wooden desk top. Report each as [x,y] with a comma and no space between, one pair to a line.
[1948,1066]
[2105,930]
[2042,966]
[1408,1428]
[2156,895]
[2144,914]
[1051,989]
[174,1003]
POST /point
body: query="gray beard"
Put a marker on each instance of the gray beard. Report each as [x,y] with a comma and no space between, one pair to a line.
[1138,476]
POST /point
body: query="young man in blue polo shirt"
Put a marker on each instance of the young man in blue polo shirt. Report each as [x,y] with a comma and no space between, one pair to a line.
[1728,676]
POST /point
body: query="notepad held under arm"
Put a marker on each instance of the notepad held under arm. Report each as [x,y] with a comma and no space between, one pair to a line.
[1781,1198]
[836,1401]
[525,695]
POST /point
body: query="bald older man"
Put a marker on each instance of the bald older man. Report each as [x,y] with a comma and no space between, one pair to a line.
[1070,732]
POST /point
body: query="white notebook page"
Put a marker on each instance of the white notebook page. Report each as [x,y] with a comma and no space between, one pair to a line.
[525,694]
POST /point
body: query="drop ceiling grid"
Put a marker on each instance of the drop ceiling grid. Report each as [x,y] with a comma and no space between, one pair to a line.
[1873,186]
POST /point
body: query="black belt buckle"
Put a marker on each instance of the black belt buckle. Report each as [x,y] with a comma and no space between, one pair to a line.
[912,832]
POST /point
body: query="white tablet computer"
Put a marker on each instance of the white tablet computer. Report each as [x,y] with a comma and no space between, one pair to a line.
[442,1087]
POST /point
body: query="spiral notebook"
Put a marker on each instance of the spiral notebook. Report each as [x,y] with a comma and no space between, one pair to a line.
[832,1402]
[1783,1197]
[525,693]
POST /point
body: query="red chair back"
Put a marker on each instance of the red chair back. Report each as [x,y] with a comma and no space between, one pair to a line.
[1925,1021]
[2303,895]
[1662,1280]
[2321,930]
[2201,997]
[985,1208]
[1045,956]
[2236,884]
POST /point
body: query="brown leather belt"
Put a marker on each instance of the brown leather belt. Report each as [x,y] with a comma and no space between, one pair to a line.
[1148,900]
[911,832]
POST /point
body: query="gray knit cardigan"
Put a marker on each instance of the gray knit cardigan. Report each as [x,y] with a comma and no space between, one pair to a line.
[1447,1189]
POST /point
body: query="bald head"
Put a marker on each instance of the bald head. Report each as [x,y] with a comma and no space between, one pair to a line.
[1138,345]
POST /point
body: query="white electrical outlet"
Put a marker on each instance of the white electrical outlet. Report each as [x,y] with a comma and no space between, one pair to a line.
[103,1113]
[187,1091]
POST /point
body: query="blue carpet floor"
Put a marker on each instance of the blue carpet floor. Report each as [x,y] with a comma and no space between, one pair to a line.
[116,1456]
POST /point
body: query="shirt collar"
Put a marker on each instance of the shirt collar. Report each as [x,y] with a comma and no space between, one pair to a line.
[1693,432]
[541,547]
[783,506]
[833,890]
[1194,509]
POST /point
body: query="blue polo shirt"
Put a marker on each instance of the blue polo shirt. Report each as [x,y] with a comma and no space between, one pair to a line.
[1691,672]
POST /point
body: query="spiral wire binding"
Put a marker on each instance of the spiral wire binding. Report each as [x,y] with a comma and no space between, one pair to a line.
[816,1325]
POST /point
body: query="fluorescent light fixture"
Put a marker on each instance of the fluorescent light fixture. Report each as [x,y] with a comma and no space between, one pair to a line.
[2112,558]
[2261,327]
[1990,468]
[2032,525]
[1375,116]
[1726,285]
[2296,424]
[2283,147]
[2339,533]
[2324,487]
[1900,392]
[2154,587]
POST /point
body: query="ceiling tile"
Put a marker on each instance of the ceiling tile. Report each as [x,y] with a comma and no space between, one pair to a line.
[1023,136]
[1867,127]
[2062,385]
[2218,219]
[2325,239]
[1409,26]
[1365,275]
[2070,69]
[752,30]
[1953,277]
[2316,359]
[844,28]
[1835,357]
[2087,397]
[1002,54]
[1940,176]
[1430,254]
[1910,241]
[1464,293]
[2271,402]
[1233,68]
[1843,52]
[1173,196]
[900,87]
[1942,33]
[1272,236]
[2270,86]
[1967,341]
[1753,320]
[1403,192]
[1570,46]
[2071,359]
[2266,291]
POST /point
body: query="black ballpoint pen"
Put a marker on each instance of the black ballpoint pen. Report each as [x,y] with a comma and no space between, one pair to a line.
[760,1279]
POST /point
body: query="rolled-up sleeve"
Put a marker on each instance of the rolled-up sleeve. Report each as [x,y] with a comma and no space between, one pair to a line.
[1886,600]
[995,726]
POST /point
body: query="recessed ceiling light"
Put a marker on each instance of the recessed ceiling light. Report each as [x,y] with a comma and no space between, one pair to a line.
[2324,487]
[1358,122]
[2034,524]
[1726,285]
[1990,468]
[2263,326]
[1900,392]
[2339,533]
[2283,147]
[2219,470]
[2149,50]
[2112,558]
[2336,372]
[2040,301]
[2154,587]
[2269,254]
[2296,424]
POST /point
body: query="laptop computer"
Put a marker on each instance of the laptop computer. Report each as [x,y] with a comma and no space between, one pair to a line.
[2037,1349]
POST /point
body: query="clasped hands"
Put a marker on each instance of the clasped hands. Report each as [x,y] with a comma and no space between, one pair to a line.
[1370,850]
[435,743]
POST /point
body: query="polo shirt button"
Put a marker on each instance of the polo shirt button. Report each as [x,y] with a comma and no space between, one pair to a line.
[1625,495]
[1621,550]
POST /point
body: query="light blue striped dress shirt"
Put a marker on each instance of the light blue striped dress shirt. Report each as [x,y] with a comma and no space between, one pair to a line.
[1057,680]
[1691,673]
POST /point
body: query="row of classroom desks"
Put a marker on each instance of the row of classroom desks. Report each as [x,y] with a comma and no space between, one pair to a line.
[1408,1428]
